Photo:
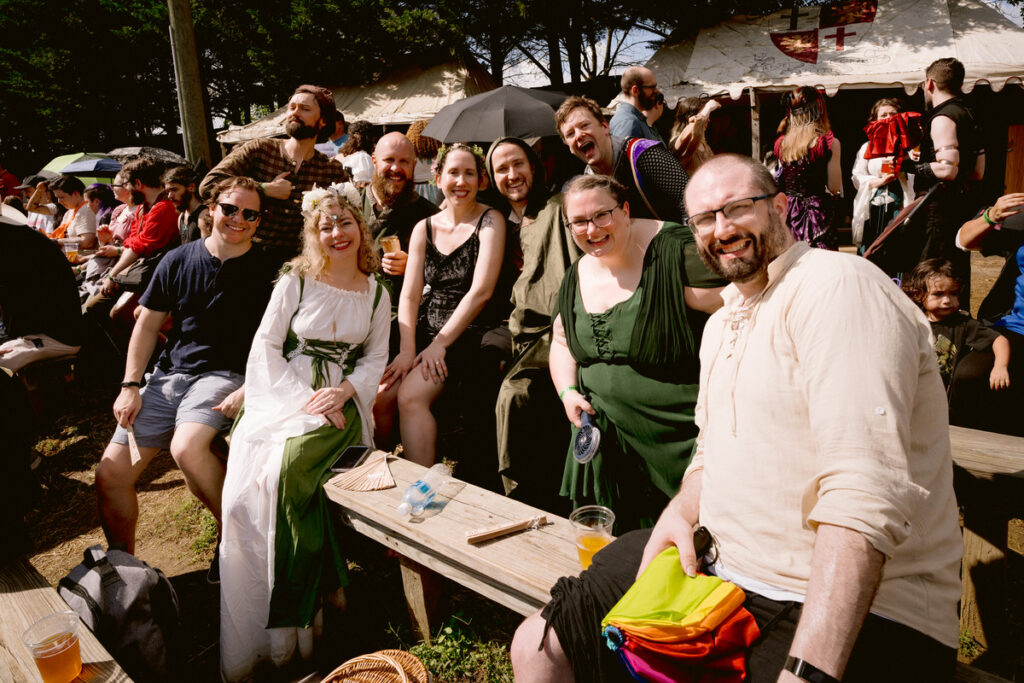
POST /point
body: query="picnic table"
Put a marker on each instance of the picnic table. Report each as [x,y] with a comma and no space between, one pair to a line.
[26,597]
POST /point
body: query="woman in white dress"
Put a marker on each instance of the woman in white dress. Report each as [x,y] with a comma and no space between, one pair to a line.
[310,383]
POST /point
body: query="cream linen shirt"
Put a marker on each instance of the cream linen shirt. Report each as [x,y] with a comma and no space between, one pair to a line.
[820,402]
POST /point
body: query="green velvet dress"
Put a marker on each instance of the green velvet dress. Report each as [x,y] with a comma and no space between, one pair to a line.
[638,366]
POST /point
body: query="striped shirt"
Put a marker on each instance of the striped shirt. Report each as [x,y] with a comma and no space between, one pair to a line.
[263,160]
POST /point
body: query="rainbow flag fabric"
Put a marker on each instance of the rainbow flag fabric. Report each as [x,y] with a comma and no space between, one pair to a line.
[672,628]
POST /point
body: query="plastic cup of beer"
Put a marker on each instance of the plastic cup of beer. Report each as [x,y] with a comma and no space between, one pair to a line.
[70,247]
[888,166]
[53,642]
[390,244]
[593,527]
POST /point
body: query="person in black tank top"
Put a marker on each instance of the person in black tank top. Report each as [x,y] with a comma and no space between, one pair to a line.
[454,261]
[951,154]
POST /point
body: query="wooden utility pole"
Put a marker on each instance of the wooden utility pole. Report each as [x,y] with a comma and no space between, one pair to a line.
[189,87]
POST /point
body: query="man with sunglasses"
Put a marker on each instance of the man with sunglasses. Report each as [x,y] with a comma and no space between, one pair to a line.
[639,94]
[215,290]
[823,457]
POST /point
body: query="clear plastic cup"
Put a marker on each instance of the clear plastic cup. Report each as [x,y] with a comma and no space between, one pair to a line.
[53,642]
[593,527]
[390,244]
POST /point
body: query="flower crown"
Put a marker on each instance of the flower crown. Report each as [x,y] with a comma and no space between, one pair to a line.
[443,150]
[338,191]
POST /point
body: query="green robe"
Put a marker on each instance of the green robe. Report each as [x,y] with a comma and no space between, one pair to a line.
[638,364]
[532,428]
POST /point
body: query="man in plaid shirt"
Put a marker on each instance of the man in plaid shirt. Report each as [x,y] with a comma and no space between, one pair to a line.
[285,169]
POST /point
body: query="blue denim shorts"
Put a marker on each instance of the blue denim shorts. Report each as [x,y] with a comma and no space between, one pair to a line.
[169,400]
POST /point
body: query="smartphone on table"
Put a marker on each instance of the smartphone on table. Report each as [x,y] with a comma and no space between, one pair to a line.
[350,458]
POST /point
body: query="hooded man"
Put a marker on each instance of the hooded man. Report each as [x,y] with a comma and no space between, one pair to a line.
[532,432]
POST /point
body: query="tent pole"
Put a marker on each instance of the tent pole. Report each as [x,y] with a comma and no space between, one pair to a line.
[755,125]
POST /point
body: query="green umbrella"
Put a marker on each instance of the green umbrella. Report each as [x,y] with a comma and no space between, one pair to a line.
[58,163]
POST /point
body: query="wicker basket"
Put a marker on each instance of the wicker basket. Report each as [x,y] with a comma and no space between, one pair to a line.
[385,666]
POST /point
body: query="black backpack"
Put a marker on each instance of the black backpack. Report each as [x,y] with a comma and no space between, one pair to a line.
[131,607]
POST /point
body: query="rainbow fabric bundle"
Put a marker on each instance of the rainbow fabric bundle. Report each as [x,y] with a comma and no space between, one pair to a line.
[672,628]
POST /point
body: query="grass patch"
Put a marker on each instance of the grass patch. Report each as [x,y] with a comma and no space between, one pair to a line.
[969,646]
[458,654]
[194,521]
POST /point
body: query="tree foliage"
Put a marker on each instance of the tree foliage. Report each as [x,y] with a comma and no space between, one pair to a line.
[99,73]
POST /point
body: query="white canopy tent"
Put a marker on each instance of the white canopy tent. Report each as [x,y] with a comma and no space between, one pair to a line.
[402,96]
[849,44]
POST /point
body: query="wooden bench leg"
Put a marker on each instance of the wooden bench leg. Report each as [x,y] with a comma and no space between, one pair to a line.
[422,590]
[982,608]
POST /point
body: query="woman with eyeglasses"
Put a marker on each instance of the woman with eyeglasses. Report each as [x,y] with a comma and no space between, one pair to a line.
[624,350]
[310,383]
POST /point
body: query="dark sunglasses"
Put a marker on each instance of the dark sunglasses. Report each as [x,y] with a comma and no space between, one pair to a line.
[248,215]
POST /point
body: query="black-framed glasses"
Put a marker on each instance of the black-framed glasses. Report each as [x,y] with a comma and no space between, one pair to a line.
[647,86]
[601,219]
[248,215]
[734,211]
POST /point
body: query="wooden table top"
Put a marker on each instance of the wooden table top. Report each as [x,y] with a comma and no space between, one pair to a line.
[26,597]
[526,564]
[988,455]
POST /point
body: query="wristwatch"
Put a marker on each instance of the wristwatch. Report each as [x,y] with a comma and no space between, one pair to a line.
[807,672]
[125,385]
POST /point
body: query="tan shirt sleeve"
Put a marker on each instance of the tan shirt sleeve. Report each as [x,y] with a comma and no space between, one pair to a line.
[863,479]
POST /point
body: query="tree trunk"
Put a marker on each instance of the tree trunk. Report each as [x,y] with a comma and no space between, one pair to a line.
[497,58]
[554,57]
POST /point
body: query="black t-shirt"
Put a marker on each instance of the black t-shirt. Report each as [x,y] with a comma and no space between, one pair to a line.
[38,294]
[955,336]
[216,305]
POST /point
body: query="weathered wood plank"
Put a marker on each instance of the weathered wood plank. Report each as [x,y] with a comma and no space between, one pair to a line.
[968,674]
[988,455]
[25,597]
[517,571]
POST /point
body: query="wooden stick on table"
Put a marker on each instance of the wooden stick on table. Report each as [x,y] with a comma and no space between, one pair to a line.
[488,533]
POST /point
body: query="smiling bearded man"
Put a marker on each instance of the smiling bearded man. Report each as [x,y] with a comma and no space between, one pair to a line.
[285,169]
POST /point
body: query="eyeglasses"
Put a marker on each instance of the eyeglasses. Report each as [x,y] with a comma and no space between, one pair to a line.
[248,215]
[601,219]
[734,211]
[647,86]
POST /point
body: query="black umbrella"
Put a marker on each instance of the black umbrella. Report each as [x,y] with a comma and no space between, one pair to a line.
[156,153]
[508,110]
[36,178]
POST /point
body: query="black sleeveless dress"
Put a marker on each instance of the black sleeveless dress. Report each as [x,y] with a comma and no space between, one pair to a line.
[447,279]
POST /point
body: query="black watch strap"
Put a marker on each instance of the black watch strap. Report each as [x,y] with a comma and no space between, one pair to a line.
[125,385]
[807,672]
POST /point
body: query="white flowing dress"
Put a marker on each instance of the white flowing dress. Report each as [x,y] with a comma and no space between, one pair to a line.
[276,389]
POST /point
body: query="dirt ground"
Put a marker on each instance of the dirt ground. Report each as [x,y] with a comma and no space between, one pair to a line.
[65,523]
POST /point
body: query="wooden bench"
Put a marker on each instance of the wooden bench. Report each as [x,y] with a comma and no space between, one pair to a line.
[989,482]
[26,597]
[516,571]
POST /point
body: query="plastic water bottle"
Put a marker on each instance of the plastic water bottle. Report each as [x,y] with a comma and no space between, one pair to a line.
[422,491]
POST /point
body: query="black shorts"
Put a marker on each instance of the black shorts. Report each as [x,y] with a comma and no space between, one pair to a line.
[885,650]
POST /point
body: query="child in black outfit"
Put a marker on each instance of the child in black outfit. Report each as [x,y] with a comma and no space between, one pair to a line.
[973,359]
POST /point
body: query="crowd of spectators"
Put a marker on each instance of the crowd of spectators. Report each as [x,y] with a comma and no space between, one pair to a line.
[308,291]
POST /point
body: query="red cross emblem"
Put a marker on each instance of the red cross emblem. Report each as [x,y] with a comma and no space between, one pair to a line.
[835,27]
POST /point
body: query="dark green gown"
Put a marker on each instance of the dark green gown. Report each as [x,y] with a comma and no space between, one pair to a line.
[638,365]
